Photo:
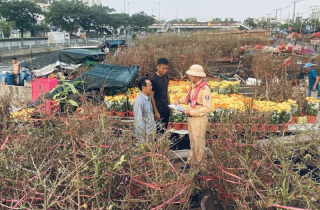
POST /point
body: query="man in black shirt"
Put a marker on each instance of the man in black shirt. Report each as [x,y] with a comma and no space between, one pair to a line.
[161,98]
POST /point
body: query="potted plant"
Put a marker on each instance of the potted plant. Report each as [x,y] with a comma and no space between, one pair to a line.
[184,124]
[301,118]
[274,120]
[109,107]
[62,92]
[170,123]
[312,109]
[177,117]
[121,107]
[284,118]
[294,112]
[130,109]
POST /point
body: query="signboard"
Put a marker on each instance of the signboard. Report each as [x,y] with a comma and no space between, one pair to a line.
[315,41]
[56,37]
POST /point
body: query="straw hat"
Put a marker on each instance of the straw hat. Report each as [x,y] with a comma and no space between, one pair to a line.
[196,70]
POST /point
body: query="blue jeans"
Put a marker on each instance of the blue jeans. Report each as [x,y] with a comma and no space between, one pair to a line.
[312,93]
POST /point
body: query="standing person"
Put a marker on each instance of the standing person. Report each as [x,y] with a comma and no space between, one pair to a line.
[145,125]
[160,93]
[313,81]
[199,101]
[16,71]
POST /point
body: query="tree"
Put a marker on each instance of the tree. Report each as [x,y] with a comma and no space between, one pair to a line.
[65,14]
[39,28]
[141,20]
[216,20]
[22,13]
[250,22]
[94,17]
[6,28]
[263,24]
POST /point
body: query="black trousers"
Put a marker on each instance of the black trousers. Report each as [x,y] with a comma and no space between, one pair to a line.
[164,120]
[16,79]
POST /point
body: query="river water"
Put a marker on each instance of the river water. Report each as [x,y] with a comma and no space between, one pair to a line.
[6,64]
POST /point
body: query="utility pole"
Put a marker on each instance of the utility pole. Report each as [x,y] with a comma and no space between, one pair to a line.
[129,7]
[294,9]
[268,20]
[159,10]
[276,17]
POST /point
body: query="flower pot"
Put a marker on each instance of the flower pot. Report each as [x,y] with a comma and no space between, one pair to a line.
[262,128]
[293,120]
[301,120]
[283,127]
[169,125]
[177,126]
[312,119]
[273,128]
[130,114]
[184,126]
[106,113]
[254,128]
[121,114]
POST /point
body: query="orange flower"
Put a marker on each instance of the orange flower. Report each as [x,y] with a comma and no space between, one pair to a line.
[185,89]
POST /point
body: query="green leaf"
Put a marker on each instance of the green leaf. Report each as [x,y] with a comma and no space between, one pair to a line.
[73,103]
[73,89]
[56,95]
[120,162]
[56,87]
[76,82]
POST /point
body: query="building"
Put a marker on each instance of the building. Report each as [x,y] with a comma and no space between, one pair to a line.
[90,3]
[315,12]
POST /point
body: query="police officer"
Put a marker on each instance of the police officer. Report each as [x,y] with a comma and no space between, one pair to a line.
[199,101]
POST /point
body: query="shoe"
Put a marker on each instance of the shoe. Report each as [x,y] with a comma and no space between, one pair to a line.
[185,166]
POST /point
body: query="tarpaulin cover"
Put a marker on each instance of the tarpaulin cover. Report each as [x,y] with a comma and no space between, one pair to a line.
[68,56]
[42,85]
[115,43]
[112,79]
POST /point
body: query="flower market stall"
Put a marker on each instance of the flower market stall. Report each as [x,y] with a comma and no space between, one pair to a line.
[226,101]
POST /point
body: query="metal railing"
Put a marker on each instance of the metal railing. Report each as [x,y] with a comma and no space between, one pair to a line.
[29,44]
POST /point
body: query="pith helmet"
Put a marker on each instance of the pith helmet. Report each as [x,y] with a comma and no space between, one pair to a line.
[196,70]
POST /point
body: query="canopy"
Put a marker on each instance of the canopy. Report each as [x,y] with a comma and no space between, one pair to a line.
[68,58]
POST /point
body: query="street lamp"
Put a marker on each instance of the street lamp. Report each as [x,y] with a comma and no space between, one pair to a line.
[124,6]
[177,13]
[159,9]
[188,15]
[167,16]
[128,7]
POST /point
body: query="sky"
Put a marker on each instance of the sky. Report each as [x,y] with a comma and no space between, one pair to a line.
[205,9]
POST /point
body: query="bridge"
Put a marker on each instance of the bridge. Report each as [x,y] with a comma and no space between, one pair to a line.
[166,26]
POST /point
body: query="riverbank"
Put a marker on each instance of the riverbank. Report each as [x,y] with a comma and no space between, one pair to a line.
[5,54]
